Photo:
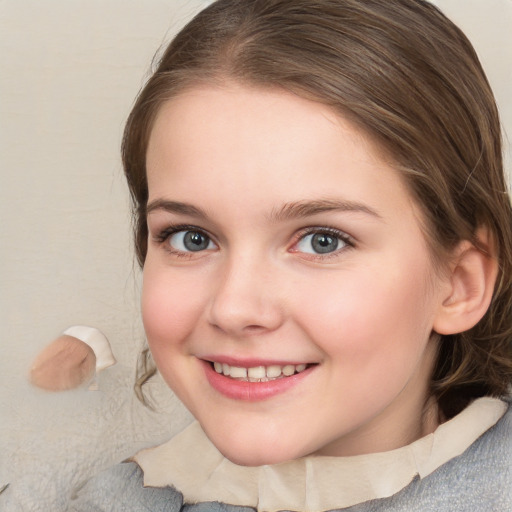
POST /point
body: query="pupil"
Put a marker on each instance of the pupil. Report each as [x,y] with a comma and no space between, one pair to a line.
[194,241]
[323,243]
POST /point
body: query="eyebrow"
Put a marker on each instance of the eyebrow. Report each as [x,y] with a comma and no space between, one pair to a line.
[176,207]
[301,209]
[289,211]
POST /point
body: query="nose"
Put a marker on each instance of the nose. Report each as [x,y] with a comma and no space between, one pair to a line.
[246,300]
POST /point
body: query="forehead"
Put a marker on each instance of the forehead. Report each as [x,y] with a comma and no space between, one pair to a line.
[248,146]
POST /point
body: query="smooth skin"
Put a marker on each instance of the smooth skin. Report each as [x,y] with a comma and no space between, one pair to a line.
[278,232]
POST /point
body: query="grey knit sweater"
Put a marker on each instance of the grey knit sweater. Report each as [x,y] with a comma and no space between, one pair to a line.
[479,480]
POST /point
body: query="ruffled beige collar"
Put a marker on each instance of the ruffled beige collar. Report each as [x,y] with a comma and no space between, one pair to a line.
[190,463]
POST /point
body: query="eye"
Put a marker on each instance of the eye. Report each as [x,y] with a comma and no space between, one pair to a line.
[321,242]
[190,241]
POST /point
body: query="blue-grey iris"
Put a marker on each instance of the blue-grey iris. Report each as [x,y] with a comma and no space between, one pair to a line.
[194,241]
[323,243]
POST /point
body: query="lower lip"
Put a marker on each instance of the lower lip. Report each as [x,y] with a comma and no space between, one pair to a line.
[252,391]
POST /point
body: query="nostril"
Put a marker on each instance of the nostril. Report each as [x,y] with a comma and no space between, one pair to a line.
[247,330]
[254,328]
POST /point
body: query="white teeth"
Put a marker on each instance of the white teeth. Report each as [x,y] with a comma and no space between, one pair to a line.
[238,373]
[274,371]
[258,373]
[288,370]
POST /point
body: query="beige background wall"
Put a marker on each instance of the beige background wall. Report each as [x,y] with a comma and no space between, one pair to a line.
[69,71]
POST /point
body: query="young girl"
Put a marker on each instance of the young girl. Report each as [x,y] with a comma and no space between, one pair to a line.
[323,224]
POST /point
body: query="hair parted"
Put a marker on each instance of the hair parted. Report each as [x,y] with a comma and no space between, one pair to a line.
[410,79]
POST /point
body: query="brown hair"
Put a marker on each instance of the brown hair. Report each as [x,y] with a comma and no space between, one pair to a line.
[412,81]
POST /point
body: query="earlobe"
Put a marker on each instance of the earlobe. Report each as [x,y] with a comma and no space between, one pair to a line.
[471,284]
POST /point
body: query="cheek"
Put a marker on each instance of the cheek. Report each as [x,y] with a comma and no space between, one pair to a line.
[373,334]
[371,315]
[171,306]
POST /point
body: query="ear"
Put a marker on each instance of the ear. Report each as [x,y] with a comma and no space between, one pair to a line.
[471,280]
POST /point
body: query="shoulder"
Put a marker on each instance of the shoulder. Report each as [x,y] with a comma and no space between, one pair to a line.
[496,444]
[120,488]
[480,479]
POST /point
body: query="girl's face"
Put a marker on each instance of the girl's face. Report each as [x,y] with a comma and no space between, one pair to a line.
[289,296]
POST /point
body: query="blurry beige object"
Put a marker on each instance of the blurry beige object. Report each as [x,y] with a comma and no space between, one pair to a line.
[72,360]
[97,341]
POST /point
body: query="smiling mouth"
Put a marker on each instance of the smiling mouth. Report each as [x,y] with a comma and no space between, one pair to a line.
[259,373]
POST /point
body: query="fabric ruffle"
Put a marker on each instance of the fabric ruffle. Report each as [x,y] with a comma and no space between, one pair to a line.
[191,463]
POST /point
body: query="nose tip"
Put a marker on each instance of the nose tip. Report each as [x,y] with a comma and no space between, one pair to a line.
[245,303]
[239,316]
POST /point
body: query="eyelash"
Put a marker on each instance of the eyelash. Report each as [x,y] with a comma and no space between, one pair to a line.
[163,236]
[325,230]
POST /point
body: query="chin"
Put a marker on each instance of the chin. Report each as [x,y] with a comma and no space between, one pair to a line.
[253,453]
[242,458]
